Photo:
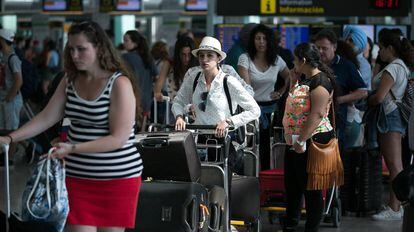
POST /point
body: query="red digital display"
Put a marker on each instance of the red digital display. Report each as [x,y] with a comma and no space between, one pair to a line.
[386,4]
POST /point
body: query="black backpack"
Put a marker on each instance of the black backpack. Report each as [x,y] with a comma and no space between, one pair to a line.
[31,79]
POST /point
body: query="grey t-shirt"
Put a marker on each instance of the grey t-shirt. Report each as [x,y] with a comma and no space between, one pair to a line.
[15,66]
[144,77]
[399,73]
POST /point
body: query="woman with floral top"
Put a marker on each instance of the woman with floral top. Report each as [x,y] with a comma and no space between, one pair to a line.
[306,117]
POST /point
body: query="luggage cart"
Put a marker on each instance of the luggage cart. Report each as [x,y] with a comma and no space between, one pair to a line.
[274,194]
[214,170]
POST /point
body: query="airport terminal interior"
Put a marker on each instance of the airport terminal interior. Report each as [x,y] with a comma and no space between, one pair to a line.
[39,35]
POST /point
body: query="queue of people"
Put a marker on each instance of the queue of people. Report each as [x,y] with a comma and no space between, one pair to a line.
[106,96]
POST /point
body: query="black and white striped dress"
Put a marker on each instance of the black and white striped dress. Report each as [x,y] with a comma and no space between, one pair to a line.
[90,121]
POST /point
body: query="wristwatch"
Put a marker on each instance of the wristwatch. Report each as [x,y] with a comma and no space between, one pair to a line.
[301,143]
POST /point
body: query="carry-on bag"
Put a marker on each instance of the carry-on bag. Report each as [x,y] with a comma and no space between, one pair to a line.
[45,197]
[169,156]
[172,206]
[10,222]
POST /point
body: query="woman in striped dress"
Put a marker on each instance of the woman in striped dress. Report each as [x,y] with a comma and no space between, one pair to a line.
[103,167]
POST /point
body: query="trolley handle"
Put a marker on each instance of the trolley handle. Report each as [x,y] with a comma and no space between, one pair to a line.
[198,127]
[164,98]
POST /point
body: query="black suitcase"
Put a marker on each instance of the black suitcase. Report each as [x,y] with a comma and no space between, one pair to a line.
[169,156]
[408,222]
[245,199]
[362,189]
[171,206]
[217,207]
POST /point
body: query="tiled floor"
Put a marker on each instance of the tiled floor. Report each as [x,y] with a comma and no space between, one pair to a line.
[349,223]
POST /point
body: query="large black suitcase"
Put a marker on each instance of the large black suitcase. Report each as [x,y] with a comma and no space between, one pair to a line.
[169,156]
[171,206]
[362,189]
[245,199]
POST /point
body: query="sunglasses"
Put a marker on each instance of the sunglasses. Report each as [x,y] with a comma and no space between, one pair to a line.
[203,105]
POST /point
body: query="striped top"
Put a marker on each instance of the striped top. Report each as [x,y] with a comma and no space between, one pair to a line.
[90,121]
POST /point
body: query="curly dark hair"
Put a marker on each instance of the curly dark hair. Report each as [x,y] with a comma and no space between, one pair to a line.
[271,51]
[108,58]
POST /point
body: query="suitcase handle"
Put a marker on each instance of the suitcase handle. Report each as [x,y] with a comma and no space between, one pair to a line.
[191,214]
[154,142]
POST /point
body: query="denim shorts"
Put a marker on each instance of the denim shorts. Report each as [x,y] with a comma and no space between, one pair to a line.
[391,122]
[10,113]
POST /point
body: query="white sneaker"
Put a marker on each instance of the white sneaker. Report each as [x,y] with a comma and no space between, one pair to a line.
[387,214]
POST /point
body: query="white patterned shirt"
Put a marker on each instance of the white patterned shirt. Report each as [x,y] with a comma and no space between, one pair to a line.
[217,108]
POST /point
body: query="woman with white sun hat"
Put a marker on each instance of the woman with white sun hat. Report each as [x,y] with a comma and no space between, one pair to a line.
[208,97]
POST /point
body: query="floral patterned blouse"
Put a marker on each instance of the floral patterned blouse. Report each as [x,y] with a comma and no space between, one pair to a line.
[298,106]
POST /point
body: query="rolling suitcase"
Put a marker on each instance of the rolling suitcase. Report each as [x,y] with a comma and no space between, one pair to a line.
[362,187]
[166,113]
[245,199]
[169,156]
[171,206]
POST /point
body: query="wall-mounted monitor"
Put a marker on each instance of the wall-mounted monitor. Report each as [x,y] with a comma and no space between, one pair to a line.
[404,29]
[196,5]
[227,34]
[292,35]
[128,5]
[54,5]
[62,5]
[368,29]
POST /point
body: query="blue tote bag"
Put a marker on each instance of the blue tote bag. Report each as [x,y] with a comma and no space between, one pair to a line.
[45,197]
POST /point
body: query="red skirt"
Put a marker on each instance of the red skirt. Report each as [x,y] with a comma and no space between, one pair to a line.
[103,203]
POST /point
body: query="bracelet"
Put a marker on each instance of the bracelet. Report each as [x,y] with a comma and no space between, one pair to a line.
[73,147]
[11,138]
[300,143]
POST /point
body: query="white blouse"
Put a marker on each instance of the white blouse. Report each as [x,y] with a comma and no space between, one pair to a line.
[263,83]
[217,108]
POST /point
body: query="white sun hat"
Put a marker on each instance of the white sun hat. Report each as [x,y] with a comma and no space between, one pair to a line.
[6,34]
[210,44]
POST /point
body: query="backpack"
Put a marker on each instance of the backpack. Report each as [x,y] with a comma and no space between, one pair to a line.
[240,133]
[407,100]
[31,79]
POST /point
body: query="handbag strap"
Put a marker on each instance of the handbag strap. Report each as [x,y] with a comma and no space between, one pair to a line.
[47,160]
[333,113]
